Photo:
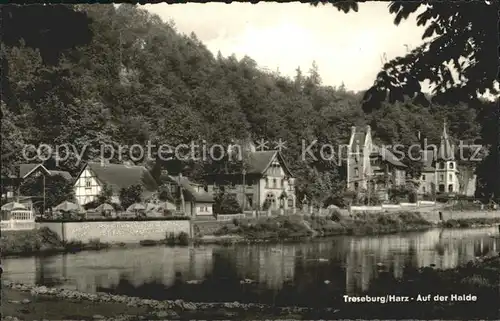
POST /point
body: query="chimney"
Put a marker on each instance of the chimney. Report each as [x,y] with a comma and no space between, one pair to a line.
[418,135]
[353,130]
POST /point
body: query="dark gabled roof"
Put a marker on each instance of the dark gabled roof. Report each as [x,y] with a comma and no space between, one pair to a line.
[190,191]
[25,169]
[64,174]
[258,162]
[118,176]
[387,156]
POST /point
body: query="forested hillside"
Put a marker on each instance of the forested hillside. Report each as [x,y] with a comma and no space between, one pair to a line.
[137,79]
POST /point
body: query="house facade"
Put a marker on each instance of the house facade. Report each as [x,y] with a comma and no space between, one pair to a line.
[371,168]
[12,183]
[95,175]
[441,173]
[266,181]
[197,201]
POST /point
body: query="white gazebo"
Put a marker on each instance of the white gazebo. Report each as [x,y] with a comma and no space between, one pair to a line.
[16,216]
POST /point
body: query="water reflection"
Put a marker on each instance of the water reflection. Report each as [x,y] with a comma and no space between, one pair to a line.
[322,270]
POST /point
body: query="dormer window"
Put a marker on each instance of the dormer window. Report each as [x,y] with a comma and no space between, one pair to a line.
[451,165]
[442,166]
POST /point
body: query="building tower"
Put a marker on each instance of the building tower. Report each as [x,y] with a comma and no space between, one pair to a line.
[446,165]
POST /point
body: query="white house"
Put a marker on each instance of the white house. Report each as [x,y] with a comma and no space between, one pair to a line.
[267,178]
[95,175]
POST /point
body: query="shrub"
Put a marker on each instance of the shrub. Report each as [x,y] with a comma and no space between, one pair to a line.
[27,242]
[148,243]
[73,246]
[335,216]
[183,238]
[170,238]
[96,244]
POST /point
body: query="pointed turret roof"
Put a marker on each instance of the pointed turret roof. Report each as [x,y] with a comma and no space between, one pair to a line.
[446,147]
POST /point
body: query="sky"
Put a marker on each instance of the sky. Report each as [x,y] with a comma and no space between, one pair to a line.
[348,48]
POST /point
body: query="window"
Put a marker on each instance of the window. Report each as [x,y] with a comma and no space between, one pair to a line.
[450,188]
[423,177]
[282,182]
[356,171]
[250,200]
[441,188]
[451,165]
[267,182]
[275,183]
[441,177]
[356,186]
[442,165]
[423,189]
[249,182]
[88,182]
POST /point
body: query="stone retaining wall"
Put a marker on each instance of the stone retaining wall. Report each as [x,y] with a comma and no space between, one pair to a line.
[456,215]
[118,231]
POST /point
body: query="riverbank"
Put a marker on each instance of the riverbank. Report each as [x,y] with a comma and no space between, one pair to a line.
[479,278]
[294,228]
[44,241]
[298,228]
[291,227]
[469,222]
[29,302]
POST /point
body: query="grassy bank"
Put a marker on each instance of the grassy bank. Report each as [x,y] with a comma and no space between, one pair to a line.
[291,227]
[470,222]
[44,241]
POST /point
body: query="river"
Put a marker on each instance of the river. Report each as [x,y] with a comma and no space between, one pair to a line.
[311,273]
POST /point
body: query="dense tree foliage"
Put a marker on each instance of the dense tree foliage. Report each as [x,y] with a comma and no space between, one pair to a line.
[57,190]
[226,204]
[130,195]
[138,80]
